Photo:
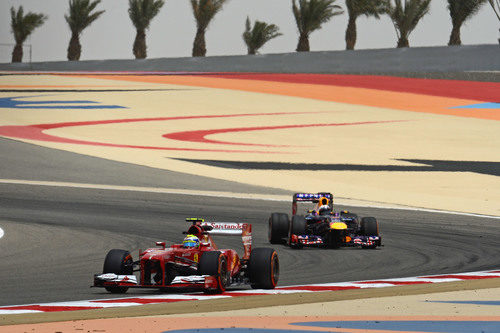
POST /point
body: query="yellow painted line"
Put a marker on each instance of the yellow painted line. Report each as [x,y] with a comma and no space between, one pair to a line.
[230,195]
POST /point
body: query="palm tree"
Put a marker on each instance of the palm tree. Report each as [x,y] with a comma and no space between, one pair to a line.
[203,11]
[80,16]
[357,8]
[406,17]
[141,13]
[310,15]
[495,4]
[259,35]
[22,26]
[461,11]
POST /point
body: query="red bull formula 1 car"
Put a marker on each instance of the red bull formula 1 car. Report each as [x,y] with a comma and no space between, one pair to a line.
[322,226]
[202,267]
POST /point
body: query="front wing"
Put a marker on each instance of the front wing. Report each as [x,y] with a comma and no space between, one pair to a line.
[205,282]
[314,240]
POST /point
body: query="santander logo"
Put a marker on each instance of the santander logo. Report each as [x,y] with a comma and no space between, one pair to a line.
[227,226]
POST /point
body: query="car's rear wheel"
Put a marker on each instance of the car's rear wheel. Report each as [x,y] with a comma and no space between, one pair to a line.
[297,227]
[369,227]
[214,263]
[264,268]
[278,227]
[118,262]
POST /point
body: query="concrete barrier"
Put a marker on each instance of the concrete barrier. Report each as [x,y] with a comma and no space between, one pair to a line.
[410,60]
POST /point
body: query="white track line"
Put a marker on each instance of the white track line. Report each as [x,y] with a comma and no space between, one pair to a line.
[231,195]
[1,233]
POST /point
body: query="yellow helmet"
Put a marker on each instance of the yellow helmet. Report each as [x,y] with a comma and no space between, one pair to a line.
[191,241]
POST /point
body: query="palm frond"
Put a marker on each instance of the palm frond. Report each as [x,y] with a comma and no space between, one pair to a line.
[495,4]
[247,34]
[141,12]
[205,10]
[311,14]
[374,8]
[23,25]
[259,35]
[462,10]
[82,14]
[405,17]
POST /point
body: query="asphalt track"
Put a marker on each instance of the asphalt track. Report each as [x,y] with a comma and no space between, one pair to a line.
[57,237]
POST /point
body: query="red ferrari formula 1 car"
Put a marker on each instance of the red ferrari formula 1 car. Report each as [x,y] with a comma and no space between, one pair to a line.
[323,226]
[195,264]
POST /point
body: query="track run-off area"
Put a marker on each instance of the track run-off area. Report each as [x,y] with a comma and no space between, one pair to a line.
[94,162]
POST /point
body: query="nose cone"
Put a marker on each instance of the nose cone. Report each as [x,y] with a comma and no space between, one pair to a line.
[338,226]
[158,254]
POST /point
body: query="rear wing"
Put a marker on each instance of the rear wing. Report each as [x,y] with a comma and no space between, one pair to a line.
[310,197]
[200,226]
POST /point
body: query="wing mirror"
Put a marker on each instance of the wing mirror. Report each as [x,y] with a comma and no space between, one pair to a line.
[162,244]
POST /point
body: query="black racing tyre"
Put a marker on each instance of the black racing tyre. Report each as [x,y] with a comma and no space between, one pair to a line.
[118,262]
[369,226]
[214,263]
[297,227]
[264,268]
[278,227]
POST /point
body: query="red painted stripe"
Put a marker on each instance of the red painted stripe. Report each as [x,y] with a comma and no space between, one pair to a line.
[243,294]
[199,136]
[35,132]
[461,277]
[135,120]
[50,308]
[319,288]
[144,300]
[396,283]
[473,90]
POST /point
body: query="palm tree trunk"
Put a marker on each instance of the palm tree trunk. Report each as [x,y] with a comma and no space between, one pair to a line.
[403,41]
[251,50]
[139,48]
[351,33]
[303,45]
[17,53]
[74,47]
[199,47]
[455,34]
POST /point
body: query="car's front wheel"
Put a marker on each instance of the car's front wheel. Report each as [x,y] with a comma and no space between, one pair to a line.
[297,227]
[214,263]
[264,268]
[118,262]
[369,227]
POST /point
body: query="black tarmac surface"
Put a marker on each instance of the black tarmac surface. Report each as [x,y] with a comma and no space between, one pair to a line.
[56,237]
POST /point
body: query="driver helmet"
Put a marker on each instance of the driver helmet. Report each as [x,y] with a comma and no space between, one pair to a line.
[323,201]
[191,241]
[324,210]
